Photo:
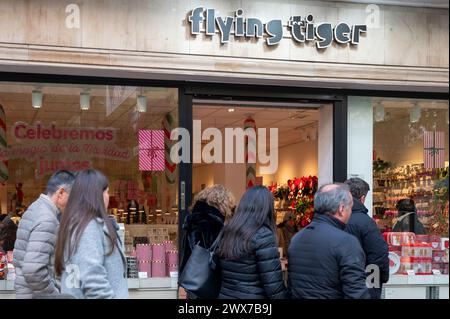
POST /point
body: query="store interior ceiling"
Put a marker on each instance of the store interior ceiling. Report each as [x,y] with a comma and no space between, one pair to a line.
[290,122]
[61,105]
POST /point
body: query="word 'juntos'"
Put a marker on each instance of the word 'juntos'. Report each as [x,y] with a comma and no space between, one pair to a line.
[302,30]
[233,146]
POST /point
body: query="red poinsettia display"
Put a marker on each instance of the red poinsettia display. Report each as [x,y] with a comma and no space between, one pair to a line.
[300,192]
[302,196]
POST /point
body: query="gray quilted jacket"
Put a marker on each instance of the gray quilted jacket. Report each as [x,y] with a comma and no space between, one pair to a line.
[34,250]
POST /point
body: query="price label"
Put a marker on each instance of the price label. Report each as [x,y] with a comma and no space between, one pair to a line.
[436,272]
[410,272]
[142,275]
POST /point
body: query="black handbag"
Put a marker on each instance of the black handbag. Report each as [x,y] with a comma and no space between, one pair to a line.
[201,275]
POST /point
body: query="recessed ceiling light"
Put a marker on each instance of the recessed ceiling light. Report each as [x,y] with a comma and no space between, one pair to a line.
[415,113]
[36,98]
[141,103]
[85,98]
[230,110]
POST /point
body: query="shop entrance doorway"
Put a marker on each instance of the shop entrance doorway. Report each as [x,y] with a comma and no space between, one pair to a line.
[283,153]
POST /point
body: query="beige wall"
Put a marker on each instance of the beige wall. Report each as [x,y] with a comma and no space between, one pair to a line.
[410,46]
[231,176]
[296,160]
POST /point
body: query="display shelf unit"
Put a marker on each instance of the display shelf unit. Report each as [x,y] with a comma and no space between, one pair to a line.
[148,288]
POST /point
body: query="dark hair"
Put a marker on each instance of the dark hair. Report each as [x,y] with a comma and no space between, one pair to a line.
[406,205]
[254,211]
[358,187]
[85,204]
[60,179]
[327,201]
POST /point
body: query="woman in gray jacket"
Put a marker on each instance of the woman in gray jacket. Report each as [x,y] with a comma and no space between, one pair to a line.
[88,254]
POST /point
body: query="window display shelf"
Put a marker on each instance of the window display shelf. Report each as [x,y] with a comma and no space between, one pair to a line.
[425,280]
[164,287]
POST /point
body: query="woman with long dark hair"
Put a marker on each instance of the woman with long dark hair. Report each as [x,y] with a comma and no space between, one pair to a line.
[88,253]
[248,251]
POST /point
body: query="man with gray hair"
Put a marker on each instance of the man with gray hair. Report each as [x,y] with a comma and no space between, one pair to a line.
[325,262]
[364,228]
[36,238]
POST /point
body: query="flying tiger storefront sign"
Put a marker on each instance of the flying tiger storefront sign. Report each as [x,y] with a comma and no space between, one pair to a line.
[302,29]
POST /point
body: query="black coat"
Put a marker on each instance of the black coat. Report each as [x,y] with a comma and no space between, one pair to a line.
[325,262]
[257,276]
[364,228]
[202,226]
[408,222]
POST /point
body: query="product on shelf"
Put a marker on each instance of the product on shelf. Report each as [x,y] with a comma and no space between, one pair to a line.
[438,256]
[444,243]
[422,250]
[399,238]
[171,261]
[168,245]
[408,181]
[420,265]
[158,260]
[132,268]
[394,262]
[144,258]
[3,265]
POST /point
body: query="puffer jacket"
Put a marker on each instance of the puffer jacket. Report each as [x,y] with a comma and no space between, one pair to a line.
[257,276]
[325,262]
[364,228]
[34,250]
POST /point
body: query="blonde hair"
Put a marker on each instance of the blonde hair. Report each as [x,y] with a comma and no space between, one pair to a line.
[219,197]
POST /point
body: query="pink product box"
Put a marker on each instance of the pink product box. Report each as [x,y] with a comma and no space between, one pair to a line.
[158,269]
[172,257]
[158,253]
[143,252]
[168,245]
[171,268]
[145,266]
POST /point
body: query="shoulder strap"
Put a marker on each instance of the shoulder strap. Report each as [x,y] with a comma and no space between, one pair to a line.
[216,242]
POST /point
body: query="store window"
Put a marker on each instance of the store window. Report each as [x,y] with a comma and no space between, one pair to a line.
[410,180]
[115,129]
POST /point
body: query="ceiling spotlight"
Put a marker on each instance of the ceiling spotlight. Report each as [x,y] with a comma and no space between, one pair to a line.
[379,112]
[36,98]
[231,110]
[415,113]
[141,104]
[85,98]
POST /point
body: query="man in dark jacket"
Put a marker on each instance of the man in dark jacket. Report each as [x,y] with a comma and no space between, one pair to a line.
[325,262]
[363,227]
